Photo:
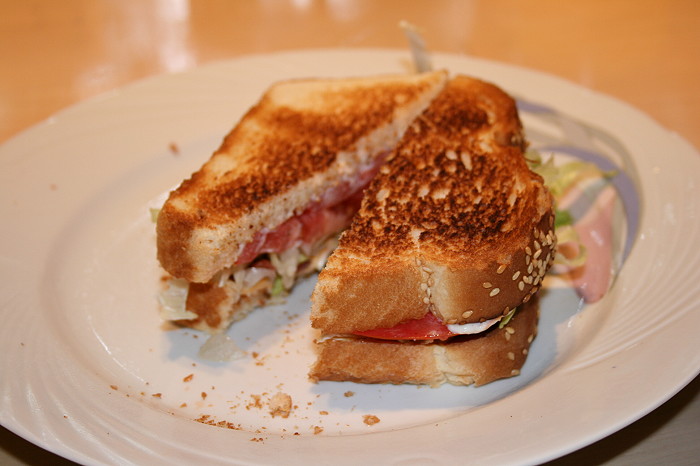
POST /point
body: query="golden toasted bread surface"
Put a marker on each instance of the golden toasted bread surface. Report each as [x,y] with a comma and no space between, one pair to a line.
[455,208]
[303,138]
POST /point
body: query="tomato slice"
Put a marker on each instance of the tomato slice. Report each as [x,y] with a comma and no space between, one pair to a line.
[425,328]
[332,214]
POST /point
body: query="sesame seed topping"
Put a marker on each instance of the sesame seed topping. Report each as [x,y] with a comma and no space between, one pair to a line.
[521,285]
[487,284]
[527,260]
[467,314]
[428,270]
[515,372]
[528,251]
[426,300]
[423,286]
[510,330]
[525,351]
[494,292]
[536,233]
[507,335]
[537,253]
[451,321]
[537,245]
[530,267]
[530,338]
[511,356]
[501,269]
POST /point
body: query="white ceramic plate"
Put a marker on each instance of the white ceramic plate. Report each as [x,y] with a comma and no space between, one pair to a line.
[90,372]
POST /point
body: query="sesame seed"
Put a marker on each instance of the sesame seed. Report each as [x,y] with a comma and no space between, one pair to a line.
[537,245]
[515,372]
[487,284]
[516,275]
[494,292]
[451,321]
[530,267]
[527,260]
[426,300]
[466,314]
[528,251]
[501,269]
[423,286]
[525,351]
[530,338]
[537,253]
[521,285]
[507,335]
[510,330]
[527,298]
[537,280]
[428,270]
[536,233]
[511,356]
[506,310]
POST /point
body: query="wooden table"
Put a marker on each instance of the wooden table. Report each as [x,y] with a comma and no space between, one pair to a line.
[647,53]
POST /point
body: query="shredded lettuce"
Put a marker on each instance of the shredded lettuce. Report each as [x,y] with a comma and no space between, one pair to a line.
[277,287]
[173,299]
[507,318]
[154,214]
[559,179]
[562,217]
[567,234]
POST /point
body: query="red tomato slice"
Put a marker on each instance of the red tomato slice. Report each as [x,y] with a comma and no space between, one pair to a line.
[333,213]
[426,328]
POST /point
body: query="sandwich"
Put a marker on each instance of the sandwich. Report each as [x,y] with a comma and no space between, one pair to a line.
[267,207]
[436,279]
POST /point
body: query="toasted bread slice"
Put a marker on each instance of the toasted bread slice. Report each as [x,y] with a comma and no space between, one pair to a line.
[303,139]
[471,359]
[454,223]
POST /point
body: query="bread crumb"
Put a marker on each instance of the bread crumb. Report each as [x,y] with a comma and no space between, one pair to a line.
[370,419]
[280,405]
[317,430]
[157,395]
[188,378]
[323,413]
[348,394]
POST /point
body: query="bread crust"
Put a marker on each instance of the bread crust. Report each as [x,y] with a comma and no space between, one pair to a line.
[302,139]
[477,359]
[455,220]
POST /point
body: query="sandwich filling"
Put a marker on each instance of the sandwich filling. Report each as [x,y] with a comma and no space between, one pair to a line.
[427,328]
[269,266]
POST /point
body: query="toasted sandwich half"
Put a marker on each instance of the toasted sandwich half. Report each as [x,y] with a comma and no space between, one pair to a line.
[435,279]
[269,204]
